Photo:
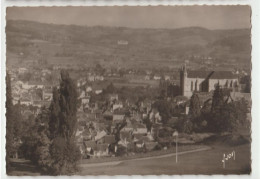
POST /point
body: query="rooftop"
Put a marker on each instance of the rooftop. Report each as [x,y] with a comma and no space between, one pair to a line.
[212,74]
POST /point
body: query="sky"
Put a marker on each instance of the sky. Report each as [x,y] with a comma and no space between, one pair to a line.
[211,17]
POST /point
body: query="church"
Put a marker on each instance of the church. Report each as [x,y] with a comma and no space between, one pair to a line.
[206,81]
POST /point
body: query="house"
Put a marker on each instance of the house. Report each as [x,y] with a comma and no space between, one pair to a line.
[107,139]
[206,81]
[85,100]
[155,116]
[88,89]
[91,78]
[140,143]
[118,118]
[90,146]
[136,116]
[15,98]
[99,78]
[79,130]
[41,103]
[122,42]
[180,100]
[98,91]
[125,138]
[128,128]
[82,95]
[47,94]
[137,137]
[147,77]
[100,135]
[82,148]
[113,97]
[26,101]
[157,77]
[167,77]
[101,150]
[22,70]
[117,106]
[87,135]
[139,128]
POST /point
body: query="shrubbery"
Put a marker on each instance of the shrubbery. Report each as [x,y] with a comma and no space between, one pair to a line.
[223,115]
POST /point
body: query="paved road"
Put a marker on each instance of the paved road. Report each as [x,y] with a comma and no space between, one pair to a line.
[138,159]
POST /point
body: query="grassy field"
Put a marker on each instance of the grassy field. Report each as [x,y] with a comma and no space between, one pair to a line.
[197,161]
[204,162]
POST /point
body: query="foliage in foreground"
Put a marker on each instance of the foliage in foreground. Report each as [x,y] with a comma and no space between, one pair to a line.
[49,143]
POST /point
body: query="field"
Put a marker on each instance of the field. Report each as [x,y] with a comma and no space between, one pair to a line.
[201,162]
[204,162]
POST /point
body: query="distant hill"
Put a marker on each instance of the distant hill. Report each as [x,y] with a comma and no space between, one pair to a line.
[125,47]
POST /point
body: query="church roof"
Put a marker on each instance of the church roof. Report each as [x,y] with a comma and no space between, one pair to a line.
[212,74]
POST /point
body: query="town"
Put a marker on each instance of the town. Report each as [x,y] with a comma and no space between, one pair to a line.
[117,111]
[127,90]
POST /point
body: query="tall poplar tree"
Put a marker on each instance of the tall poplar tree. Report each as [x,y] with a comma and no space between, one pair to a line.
[68,106]
[63,123]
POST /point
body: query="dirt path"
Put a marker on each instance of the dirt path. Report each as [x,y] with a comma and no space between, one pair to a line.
[146,158]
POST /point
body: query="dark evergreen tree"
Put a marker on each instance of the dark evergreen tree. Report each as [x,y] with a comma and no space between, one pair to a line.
[217,100]
[194,106]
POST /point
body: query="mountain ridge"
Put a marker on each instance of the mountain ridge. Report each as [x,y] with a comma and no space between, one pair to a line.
[101,43]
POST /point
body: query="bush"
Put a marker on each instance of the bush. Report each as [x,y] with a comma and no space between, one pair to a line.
[188,126]
[64,155]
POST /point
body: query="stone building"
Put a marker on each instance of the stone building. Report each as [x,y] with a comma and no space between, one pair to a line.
[206,81]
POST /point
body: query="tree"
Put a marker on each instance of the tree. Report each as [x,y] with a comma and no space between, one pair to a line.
[54,114]
[217,100]
[247,81]
[68,106]
[9,122]
[194,106]
[43,142]
[164,108]
[63,127]
[226,116]
[17,118]
[110,88]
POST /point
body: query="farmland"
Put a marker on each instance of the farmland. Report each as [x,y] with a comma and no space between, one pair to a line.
[64,44]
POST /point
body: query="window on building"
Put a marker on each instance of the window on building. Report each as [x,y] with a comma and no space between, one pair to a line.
[191,86]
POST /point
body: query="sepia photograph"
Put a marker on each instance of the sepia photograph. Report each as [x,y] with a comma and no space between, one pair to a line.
[128,90]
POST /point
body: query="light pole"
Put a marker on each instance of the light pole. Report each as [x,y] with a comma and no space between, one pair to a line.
[176,141]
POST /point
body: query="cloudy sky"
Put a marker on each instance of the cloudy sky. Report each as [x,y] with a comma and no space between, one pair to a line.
[211,17]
